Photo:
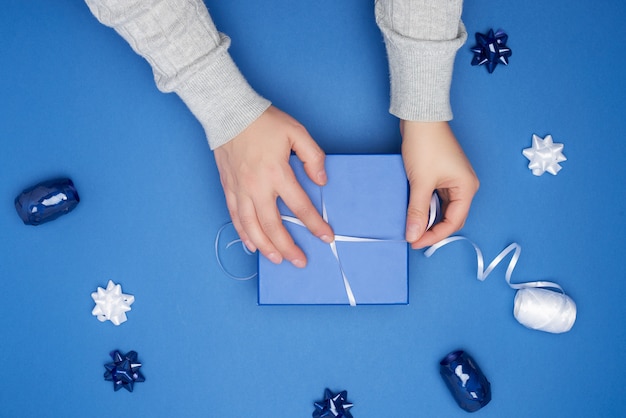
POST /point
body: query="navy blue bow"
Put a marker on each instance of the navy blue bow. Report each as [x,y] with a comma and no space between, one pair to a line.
[124,370]
[491,49]
[333,405]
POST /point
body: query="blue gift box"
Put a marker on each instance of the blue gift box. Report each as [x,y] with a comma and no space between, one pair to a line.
[366,196]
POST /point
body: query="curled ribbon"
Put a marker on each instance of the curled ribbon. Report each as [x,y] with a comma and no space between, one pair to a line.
[228,246]
[434,215]
[536,306]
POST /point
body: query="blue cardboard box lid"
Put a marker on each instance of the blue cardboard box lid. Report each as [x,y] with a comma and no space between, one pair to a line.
[366,196]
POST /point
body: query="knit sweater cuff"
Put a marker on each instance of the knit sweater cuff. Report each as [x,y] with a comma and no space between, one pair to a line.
[221,99]
[421,74]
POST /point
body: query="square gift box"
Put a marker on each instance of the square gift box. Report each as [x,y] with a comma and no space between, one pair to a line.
[366,197]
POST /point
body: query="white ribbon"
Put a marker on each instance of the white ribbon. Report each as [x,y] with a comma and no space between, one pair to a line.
[545,310]
[228,245]
[296,221]
[348,238]
[536,306]
[433,216]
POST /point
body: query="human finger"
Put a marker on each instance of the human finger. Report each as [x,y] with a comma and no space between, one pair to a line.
[420,196]
[273,228]
[231,204]
[310,154]
[250,224]
[454,216]
[300,204]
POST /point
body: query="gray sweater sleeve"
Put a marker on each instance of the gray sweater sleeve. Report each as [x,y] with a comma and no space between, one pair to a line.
[422,38]
[189,57]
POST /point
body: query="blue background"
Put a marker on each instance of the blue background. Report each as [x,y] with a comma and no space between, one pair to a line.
[77,101]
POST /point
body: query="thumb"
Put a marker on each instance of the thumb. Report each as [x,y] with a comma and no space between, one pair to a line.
[311,156]
[417,213]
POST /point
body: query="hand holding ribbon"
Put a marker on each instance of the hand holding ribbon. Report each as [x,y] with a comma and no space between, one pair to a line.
[254,171]
[434,160]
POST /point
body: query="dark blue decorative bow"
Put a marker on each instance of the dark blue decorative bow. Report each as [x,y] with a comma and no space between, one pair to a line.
[491,49]
[124,370]
[333,405]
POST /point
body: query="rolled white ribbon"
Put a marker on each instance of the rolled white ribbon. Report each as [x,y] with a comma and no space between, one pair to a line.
[544,310]
[536,306]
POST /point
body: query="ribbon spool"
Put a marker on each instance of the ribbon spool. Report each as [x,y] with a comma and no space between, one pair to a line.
[46,201]
[467,383]
[539,305]
[544,310]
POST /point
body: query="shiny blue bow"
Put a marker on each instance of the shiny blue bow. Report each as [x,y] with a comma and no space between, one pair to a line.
[124,370]
[491,49]
[333,405]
